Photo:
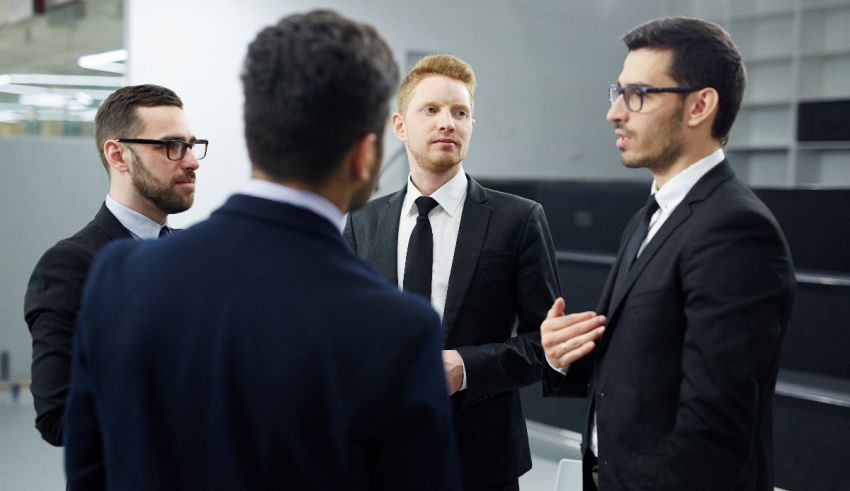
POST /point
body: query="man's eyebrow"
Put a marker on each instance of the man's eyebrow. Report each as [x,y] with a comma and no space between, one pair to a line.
[178,137]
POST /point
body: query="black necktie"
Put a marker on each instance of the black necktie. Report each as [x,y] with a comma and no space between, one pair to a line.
[164,231]
[633,246]
[420,251]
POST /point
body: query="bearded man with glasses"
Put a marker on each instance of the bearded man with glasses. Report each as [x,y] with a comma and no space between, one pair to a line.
[150,155]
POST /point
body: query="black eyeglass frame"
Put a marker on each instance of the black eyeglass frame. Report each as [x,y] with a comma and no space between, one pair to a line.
[169,144]
[615,91]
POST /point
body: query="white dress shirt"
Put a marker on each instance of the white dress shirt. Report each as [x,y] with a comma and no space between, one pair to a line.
[140,226]
[296,197]
[668,198]
[445,225]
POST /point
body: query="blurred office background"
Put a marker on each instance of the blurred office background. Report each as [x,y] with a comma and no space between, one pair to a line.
[543,67]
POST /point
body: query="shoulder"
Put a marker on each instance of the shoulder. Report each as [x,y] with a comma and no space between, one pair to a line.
[733,213]
[734,203]
[510,209]
[76,251]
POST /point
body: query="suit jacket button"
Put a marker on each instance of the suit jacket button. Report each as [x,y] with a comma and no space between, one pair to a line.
[601,394]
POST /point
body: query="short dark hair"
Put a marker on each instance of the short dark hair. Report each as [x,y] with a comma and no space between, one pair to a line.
[117,117]
[314,84]
[704,55]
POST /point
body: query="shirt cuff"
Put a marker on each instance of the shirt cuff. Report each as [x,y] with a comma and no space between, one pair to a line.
[562,371]
[463,385]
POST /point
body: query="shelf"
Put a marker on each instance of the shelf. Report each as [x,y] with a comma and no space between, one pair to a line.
[825,145]
[766,104]
[770,59]
[826,53]
[795,51]
[757,16]
[756,147]
[825,6]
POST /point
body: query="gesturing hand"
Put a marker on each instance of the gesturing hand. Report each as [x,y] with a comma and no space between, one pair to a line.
[568,338]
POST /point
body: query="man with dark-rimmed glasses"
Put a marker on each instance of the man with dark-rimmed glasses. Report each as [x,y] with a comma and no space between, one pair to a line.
[679,365]
[151,155]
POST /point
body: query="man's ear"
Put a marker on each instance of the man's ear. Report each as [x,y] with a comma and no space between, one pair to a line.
[114,153]
[399,128]
[703,106]
[362,158]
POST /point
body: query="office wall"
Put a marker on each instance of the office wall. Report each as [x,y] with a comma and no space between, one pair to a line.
[542,66]
[49,189]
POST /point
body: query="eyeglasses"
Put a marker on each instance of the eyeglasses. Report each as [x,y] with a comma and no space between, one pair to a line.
[633,95]
[174,149]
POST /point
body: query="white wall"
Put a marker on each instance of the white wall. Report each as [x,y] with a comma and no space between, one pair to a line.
[542,68]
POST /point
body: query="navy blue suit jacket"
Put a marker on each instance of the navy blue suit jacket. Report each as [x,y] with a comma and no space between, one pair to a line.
[254,351]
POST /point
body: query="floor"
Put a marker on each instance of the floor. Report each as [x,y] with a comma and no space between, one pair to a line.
[29,464]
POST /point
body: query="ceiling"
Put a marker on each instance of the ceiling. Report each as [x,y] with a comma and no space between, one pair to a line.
[51,44]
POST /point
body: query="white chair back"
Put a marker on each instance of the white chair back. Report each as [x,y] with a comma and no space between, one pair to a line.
[569,475]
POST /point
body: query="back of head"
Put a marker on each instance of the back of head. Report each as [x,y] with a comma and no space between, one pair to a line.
[117,117]
[442,64]
[704,55]
[314,84]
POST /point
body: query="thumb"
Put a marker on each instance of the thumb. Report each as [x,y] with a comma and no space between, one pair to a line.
[557,309]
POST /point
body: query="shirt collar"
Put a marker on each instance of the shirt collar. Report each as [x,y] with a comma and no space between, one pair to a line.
[675,190]
[449,196]
[140,226]
[296,197]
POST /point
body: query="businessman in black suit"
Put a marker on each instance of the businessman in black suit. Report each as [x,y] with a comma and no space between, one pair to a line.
[490,269]
[681,378]
[251,350]
[147,182]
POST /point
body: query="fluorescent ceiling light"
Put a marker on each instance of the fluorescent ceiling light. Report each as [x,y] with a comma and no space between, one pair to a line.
[74,80]
[43,100]
[108,61]
[95,94]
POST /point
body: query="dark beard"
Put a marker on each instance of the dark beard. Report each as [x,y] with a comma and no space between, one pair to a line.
[163,197]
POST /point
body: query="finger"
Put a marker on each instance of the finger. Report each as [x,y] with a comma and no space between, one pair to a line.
[577,354]
[576,342]
[564,328]
[557,308]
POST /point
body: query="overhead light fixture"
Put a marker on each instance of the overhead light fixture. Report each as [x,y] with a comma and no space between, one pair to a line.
[108,61]
[43,100]
[73,80]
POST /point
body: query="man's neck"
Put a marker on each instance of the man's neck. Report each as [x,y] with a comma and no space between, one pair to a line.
[137,204]
[427,182]
[328,191]
[688,158]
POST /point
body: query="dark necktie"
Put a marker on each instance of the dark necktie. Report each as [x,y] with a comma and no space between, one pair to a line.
[633,246]
[420,251]
[164,231]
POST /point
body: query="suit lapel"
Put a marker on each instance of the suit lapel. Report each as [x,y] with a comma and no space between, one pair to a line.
[384,256]
[699,192]
[474,222]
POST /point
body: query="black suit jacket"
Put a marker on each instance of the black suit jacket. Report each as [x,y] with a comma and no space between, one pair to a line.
[50,309]
[254,356]
[682,381]
[503,275]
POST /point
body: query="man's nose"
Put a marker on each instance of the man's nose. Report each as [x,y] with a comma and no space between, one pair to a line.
[617,111]
[447,122]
